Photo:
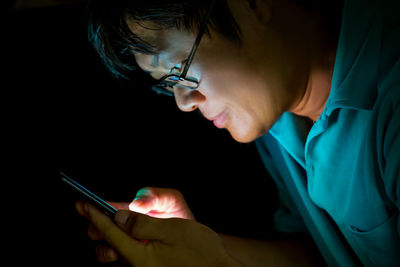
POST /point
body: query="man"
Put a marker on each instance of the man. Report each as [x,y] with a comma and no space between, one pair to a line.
[322,105]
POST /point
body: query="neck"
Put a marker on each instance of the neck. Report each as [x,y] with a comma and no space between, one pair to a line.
[313,101]
[322,48]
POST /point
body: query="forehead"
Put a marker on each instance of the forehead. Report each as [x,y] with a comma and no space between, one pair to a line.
[162,39]
[148,31]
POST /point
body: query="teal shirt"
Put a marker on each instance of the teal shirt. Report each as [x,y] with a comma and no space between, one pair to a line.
[340,181]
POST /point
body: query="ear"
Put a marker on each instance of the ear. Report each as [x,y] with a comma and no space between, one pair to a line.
[262,9]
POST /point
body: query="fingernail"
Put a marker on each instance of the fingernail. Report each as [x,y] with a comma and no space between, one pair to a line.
[111,254]
[122,217]
[141,198]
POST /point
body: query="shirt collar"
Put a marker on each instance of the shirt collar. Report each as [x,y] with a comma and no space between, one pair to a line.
[291,132]
[355,75]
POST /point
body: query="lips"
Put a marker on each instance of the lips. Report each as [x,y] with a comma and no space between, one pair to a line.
[219,120]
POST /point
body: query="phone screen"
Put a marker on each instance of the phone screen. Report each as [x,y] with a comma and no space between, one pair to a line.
[91,197]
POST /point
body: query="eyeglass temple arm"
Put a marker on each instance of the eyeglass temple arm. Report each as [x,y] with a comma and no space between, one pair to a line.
[198,39]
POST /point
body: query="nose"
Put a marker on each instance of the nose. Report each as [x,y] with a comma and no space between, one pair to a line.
[188,100]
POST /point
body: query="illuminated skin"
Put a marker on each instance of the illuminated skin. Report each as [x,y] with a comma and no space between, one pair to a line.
[161,203]
[282,65]
[251,85]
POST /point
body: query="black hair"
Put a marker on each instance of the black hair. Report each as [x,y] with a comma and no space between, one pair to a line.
[111,37]
[114,41]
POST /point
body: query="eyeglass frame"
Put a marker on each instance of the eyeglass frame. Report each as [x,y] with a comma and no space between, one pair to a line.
[162,83]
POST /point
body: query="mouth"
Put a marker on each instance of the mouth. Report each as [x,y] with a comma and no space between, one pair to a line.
[220,120]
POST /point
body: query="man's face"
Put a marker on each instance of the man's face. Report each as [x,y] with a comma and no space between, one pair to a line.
[242,88]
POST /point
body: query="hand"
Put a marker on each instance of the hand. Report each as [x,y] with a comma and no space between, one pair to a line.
[161,203]
[155,202]
[171,242]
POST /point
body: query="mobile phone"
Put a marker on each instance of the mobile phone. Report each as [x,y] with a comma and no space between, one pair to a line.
[91,197]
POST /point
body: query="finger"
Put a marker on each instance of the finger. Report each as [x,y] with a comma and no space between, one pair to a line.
[144,201]
[161,203]
[106,254]
[79,206]
[126,246]
[119,205]
[144,227]
[153,201]
[94,233]
[145,192]
[142,205]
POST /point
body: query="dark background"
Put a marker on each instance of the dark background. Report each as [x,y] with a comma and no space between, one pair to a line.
[64,111]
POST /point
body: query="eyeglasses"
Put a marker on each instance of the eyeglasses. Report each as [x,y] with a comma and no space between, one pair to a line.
[174,78]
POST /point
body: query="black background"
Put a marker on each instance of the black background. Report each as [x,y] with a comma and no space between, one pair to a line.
[63,111]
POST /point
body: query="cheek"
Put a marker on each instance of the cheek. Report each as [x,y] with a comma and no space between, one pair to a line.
[252,107]
[233,88]
[219,68]
[221,83]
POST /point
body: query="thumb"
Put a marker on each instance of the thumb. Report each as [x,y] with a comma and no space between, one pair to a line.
[145,201]
[142,205]
[144,227]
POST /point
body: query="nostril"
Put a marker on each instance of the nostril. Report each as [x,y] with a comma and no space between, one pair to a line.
[188,100]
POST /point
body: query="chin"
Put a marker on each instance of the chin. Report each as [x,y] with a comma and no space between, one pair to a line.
[246,130]
[244,136]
